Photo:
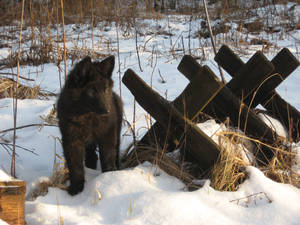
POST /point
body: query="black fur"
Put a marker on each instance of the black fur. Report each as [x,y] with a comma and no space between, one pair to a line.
[90,116]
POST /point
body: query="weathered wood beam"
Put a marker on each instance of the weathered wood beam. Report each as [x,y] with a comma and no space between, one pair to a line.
[285,113]
[197,143]
[245,81]
[226,104]
[284,64]
[190,102]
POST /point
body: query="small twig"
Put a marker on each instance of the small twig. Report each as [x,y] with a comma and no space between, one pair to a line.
[64,36]
[58,48]
[146,42]
[48,93]
[136,45]
[4,145]
[255,141]
[134,122]
[253,195]
[26,126]
[213,40]
[161,77]
[14,74]
[153,71]
[8,149]
[296,39]
[15,100]
[92,25]
[117,9]
[182,41]
[190,28]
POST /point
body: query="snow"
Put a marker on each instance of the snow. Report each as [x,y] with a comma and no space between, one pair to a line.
[4,176]
[274,124]
[144,194]
[3,223]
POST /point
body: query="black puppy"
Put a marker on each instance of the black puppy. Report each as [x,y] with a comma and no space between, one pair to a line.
[90,116]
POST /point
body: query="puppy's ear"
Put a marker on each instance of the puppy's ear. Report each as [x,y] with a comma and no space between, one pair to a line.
[80,73]
[106,66]
[83,66]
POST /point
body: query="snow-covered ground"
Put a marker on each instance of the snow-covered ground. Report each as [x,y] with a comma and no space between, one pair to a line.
[144,194]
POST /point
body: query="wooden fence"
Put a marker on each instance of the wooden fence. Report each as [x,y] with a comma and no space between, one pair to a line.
[252,83]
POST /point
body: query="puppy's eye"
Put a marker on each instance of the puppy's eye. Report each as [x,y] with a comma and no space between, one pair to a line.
[92,91]
[89,93]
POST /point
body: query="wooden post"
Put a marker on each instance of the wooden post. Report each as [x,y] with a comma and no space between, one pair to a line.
[226,104]
[197,143]
[189,103]
[285,113]
[250,76]
[244,82]
[284,64]
[12,201]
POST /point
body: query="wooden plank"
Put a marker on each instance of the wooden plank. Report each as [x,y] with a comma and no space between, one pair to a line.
[285,113]
[189,103]
[284,64]
[246,80]
[189,67]
[197,143]
[198,94]
[12,201]
[226,104]
[229,61]
[250,76]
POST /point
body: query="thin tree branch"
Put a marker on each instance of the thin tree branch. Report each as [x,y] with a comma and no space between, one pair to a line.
[14,74]
[64,36]
[213,40]
[15,100]
[29,125]
[7,145]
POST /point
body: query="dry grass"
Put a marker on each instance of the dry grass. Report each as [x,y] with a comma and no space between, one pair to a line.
[44,16]
[24,92]
[58,180]
[7,90]
[281,168]
[51,118]
[229,171]
[158,157]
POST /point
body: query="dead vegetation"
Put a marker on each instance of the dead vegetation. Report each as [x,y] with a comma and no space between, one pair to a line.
[7,90]
[229,172]
[57,179]
[8,87]
[42,17]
